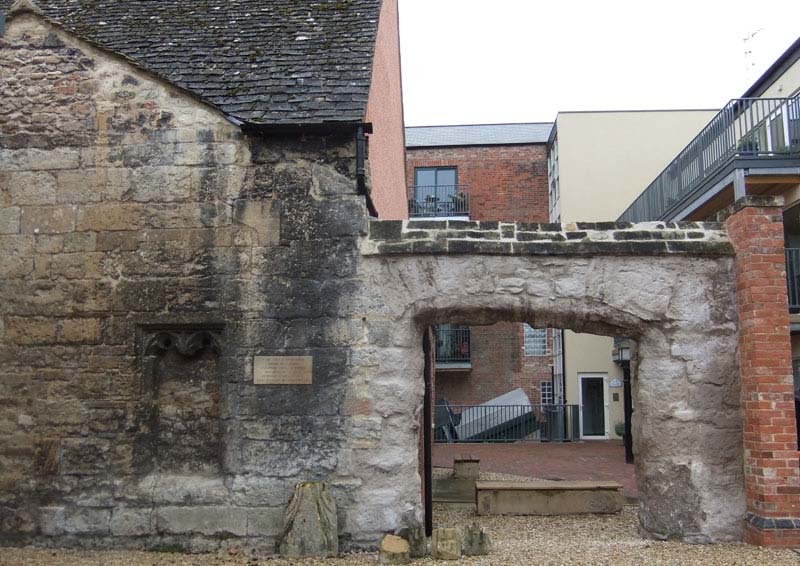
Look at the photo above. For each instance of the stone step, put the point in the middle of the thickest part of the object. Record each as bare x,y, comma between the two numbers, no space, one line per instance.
548,497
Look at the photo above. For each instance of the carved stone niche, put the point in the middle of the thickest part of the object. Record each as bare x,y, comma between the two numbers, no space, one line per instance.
179,429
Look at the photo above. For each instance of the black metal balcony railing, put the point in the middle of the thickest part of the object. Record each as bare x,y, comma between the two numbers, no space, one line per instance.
439,201
452,346
793,278
506,423
746,128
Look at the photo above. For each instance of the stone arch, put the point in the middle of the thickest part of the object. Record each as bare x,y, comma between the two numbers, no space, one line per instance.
679,307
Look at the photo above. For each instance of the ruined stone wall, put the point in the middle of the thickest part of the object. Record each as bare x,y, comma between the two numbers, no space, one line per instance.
669,286
149,251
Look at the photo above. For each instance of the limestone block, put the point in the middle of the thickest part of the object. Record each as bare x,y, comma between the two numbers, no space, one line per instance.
32,188
131,522
87,520
548,497
83,330
264,521
446,544
467,468
417,541
476,541
395,550
48,219
9,220
78,187
51,521
204,520
310,524
109,216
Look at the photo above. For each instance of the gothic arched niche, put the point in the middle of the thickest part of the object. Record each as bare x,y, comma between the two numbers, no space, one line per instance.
179,422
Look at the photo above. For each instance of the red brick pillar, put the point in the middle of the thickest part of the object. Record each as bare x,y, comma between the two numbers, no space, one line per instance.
771,473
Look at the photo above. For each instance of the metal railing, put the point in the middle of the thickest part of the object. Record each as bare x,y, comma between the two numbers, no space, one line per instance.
506,423
745,128
452,345
793,278
439,200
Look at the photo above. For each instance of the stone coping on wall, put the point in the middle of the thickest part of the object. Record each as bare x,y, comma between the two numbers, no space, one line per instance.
526,238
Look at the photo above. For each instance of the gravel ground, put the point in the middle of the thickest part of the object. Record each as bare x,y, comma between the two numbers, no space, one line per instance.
595,540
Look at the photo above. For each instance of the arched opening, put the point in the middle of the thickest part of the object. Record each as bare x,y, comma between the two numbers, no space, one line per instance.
502,404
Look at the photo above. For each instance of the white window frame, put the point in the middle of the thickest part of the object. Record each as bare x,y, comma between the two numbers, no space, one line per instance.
546,393
534,341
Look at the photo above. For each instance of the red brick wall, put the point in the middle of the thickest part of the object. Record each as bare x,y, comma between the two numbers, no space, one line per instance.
498,366
772,476
385,112
505,182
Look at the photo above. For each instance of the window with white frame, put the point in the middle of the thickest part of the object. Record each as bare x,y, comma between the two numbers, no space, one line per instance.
547,393
535,341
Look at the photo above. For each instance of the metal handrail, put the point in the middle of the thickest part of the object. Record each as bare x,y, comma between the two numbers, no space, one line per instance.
453,345
439,201
506,423
745,128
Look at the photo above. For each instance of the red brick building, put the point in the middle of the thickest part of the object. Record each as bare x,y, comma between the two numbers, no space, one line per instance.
484,172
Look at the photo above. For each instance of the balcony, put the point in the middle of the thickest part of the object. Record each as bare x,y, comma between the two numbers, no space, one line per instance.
759,135
453,349
440,201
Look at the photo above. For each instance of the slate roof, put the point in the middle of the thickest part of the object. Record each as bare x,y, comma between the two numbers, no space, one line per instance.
261,61
478,134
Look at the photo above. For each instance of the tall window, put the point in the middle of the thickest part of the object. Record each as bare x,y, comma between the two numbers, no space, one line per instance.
535,341
547,393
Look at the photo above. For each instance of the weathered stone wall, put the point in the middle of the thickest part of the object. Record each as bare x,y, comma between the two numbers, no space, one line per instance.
149,251
668,286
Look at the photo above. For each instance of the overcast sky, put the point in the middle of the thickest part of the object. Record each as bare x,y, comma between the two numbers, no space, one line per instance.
485,61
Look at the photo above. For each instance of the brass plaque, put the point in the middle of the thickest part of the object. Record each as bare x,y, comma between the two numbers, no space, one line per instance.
282,370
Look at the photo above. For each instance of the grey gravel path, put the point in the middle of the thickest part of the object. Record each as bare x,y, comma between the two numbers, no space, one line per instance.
596,540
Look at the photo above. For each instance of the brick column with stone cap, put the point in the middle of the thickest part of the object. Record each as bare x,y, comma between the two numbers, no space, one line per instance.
772,476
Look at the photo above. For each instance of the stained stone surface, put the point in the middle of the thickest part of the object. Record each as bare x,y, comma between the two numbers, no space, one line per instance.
310,524
128,208
417,541
677,304
446,543
475,541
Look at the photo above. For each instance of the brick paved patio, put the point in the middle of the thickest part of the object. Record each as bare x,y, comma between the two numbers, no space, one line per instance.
588,460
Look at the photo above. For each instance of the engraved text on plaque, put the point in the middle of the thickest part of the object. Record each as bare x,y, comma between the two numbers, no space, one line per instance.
282,370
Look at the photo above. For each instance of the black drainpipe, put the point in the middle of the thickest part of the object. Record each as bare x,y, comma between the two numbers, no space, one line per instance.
361,168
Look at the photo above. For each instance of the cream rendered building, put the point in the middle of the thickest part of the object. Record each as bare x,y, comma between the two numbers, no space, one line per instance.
598,162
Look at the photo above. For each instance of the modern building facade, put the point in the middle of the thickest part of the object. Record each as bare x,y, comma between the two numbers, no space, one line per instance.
484,173
597,162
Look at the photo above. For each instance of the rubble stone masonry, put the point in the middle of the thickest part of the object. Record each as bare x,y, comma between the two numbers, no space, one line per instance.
149,251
